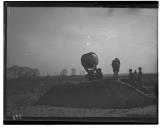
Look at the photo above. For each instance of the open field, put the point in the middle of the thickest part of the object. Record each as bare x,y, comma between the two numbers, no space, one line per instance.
74,97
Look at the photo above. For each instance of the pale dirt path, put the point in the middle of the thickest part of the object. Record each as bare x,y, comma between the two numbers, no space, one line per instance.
51,111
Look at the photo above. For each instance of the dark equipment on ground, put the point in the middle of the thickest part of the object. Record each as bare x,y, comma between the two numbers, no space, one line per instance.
90,62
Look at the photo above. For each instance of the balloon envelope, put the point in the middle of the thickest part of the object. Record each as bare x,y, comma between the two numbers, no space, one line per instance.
89,60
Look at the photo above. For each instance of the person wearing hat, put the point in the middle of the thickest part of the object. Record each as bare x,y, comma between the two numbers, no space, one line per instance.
140,74
116,67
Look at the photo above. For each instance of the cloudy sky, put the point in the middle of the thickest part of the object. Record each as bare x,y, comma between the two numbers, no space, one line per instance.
52,39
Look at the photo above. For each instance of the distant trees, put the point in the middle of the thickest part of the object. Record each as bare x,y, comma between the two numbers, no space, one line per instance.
81,73
27,72
36,72
73,72
63,72
13,72
22,72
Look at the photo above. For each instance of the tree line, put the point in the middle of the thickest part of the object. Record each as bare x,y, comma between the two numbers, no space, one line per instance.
27,72
22,72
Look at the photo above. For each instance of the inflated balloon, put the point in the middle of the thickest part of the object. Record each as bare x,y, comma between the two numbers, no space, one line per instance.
89,60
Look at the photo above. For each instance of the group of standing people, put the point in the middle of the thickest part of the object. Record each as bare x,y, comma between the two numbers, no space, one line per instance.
135,76
96,73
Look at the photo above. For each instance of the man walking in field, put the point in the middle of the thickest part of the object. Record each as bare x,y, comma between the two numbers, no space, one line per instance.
116,67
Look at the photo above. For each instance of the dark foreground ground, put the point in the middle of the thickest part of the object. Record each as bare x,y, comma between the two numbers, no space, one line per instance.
96,94
74,97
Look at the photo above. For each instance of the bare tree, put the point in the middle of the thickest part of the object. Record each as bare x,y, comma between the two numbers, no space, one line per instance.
13,72
19,71
64,72
36,72
73,72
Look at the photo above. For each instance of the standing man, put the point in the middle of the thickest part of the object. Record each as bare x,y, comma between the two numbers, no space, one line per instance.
135,75
140,74
131,76
116,67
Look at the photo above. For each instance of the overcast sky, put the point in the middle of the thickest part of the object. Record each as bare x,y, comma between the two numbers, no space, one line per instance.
52,39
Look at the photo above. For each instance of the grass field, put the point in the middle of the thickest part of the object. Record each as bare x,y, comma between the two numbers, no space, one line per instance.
75,97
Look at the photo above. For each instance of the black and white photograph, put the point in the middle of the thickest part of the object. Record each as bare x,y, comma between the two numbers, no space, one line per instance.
81,62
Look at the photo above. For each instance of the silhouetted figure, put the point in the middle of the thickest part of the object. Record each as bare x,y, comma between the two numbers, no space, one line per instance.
116,67
131,76
140,74
135,75
99,74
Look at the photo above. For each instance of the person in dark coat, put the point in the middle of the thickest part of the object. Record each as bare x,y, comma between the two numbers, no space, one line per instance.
99,74
131,76
116,67
140,74
135,75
